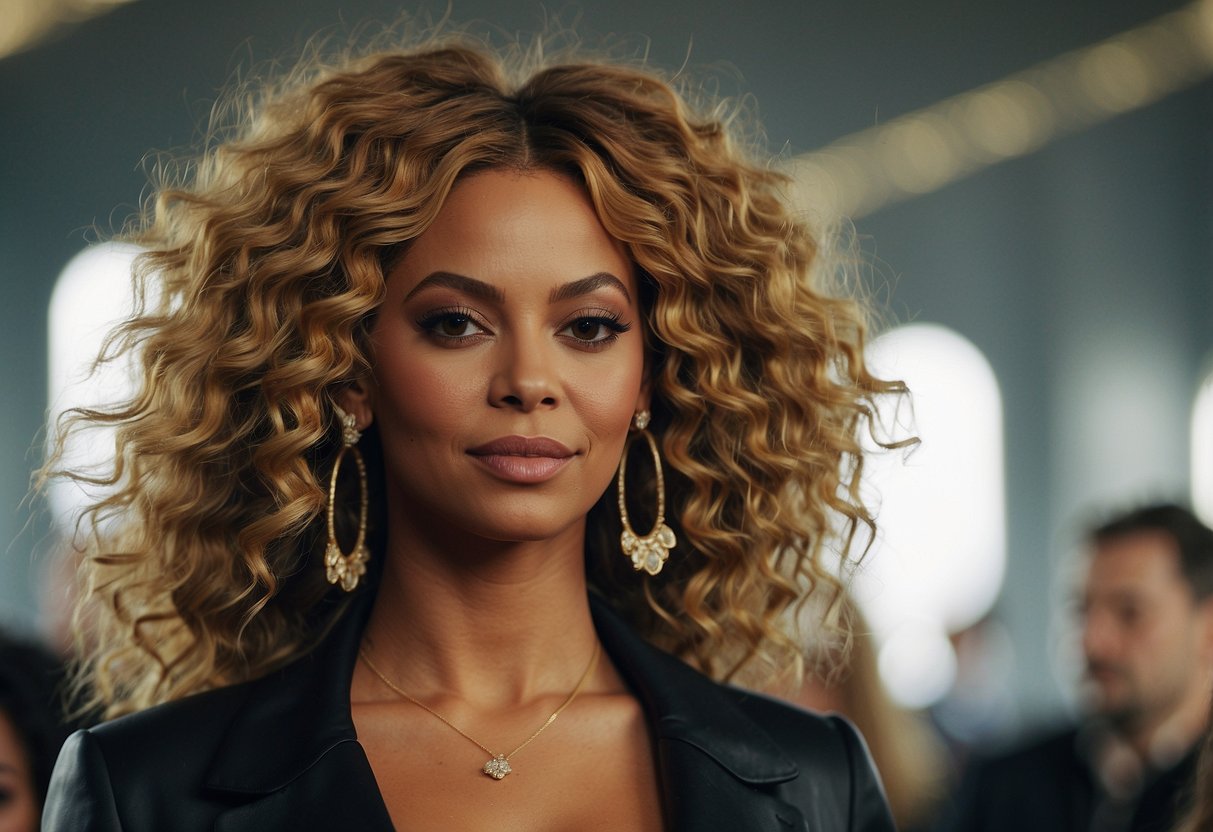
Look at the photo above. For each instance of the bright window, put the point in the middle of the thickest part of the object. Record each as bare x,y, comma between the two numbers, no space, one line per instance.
93,294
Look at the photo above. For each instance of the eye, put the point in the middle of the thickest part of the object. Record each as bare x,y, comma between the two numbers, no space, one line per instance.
1129,615
451,324
595,330
588,329
455,326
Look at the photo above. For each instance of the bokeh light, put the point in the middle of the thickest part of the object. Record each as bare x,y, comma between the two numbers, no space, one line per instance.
937,563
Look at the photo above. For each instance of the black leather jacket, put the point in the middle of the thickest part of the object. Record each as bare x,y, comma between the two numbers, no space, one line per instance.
280,752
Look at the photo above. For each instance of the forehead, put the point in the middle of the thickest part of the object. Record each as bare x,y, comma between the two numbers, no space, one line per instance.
1144,564
507,225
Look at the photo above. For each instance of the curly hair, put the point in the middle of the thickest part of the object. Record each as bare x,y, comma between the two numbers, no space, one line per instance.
264,266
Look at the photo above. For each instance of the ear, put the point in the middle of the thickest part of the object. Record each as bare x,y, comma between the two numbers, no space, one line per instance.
1204,614
358,398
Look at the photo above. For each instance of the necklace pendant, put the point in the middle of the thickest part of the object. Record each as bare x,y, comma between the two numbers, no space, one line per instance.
498,767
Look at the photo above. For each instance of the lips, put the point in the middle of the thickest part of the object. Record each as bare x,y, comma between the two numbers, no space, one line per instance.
538,446
522,459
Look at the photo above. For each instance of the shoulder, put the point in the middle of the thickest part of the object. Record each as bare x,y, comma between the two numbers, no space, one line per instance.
1033,755
182,764
175,725
103,775
821,745
1042,763
725,749
828,736
826,748
818,763
1038,783
837,784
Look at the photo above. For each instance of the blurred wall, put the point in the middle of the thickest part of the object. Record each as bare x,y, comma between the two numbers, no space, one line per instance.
1083,271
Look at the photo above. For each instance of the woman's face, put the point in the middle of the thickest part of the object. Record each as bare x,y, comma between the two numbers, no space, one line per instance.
508,360
18,804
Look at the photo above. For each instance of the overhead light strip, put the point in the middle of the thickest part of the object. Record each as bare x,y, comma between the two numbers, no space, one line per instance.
922,151
28,21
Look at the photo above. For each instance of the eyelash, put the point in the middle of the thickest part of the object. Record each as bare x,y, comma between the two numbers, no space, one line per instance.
604,318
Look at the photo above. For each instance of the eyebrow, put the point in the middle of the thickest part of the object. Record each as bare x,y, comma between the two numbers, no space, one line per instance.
487,291
461,283
586,285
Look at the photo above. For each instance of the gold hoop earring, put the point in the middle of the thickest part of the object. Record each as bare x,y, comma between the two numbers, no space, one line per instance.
340,568
648,552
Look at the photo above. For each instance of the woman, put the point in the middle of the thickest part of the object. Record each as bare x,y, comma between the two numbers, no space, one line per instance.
905,749
484,286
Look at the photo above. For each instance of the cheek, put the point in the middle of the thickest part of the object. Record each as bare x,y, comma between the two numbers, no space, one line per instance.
608,398
420,394
610,408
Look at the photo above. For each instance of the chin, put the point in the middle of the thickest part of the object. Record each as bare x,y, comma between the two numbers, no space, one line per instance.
525,517
524,527
1120,711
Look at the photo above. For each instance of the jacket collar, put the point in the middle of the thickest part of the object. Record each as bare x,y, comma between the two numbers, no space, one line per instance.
685,706
294,738
295,715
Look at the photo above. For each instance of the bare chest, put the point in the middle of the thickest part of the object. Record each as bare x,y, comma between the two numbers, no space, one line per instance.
591,770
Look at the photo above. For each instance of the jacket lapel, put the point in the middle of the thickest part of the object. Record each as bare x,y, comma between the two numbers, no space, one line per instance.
338,792
719,769
291,758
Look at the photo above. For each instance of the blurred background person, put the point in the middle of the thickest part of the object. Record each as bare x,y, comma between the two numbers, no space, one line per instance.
1146,615
31,731
910,757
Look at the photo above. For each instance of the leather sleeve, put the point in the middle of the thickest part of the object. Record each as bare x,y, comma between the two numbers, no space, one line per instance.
81,798
869,808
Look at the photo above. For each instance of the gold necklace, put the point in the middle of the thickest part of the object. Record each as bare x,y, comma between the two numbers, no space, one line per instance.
499,764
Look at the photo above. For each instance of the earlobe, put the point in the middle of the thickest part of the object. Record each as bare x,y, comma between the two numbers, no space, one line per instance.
644,398
356,398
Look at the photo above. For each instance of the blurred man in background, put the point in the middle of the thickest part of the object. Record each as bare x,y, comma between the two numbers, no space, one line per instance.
1147,638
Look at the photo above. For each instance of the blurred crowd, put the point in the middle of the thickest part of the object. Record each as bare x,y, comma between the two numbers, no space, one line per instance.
1138,754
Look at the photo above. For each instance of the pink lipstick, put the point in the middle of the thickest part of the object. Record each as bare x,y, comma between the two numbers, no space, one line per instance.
523,459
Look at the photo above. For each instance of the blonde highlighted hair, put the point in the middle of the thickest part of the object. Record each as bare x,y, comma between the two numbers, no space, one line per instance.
268,257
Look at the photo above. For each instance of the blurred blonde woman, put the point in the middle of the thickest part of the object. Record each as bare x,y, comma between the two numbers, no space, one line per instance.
491,408
910,757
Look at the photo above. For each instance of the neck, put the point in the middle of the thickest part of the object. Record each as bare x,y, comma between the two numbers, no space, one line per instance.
492,623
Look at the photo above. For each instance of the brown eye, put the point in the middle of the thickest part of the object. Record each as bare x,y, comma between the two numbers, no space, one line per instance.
595,330
587,329
451,326
454,326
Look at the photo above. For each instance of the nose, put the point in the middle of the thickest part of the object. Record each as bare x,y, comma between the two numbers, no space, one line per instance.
526,377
